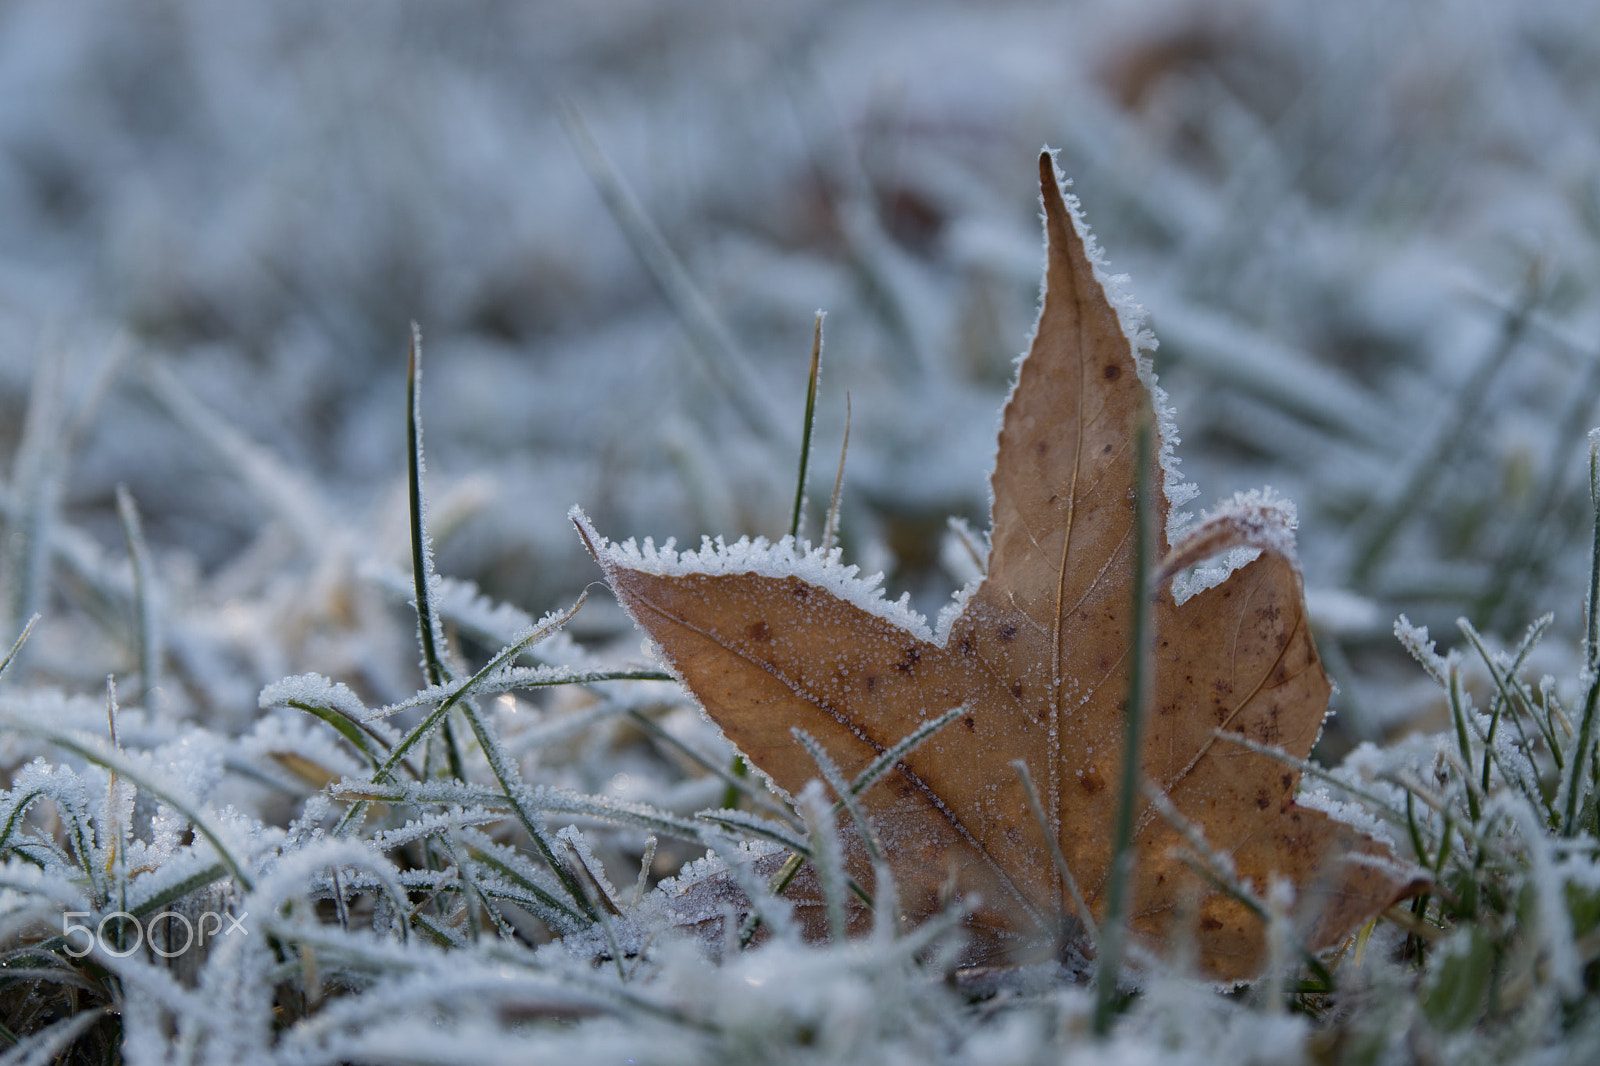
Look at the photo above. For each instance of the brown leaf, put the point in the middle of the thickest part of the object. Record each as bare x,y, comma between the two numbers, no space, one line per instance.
769,639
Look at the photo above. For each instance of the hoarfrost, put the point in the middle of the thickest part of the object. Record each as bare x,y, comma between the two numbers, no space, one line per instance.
112,158
1255,521
1415,640
1131,316
316,690
764,559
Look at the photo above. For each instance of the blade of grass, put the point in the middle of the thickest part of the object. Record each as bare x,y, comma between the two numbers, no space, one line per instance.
846,798
754,825
147,639
362,737
1458,715
1591,655
1114,929
805,433
740,769
16,645
35,481
709,337
1390,513
1311,769
830,528
429,632
536,895
1062,869
596,894
424,727
863,781
910,743
115,761
1215,868
827,858
510,778
743,785
1536,540
1511,697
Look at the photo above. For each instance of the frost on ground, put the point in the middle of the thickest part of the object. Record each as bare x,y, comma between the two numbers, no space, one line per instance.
1365,232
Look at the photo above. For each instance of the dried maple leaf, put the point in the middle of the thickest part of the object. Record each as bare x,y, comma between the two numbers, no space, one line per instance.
769,638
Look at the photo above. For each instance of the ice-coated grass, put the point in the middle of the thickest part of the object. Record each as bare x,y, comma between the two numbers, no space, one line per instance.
460,890
216,222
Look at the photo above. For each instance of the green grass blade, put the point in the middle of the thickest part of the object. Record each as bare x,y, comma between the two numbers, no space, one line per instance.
363,740
147,638
1062,869
1390,513
1581,751
912,741
830,528
119,764
1113,929
805,433
428,630
16,645
710,339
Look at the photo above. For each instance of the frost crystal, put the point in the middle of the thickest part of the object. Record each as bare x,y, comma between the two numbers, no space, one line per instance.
1260,518
1415,640
1141,341
763,558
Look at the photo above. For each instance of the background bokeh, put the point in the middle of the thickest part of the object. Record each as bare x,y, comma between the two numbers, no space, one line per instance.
1367,233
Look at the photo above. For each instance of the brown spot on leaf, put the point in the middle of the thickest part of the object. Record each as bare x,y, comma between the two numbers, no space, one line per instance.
759,631
1008,633
1112,371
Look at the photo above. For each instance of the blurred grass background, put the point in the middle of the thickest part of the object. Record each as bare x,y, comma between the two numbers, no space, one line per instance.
1367,233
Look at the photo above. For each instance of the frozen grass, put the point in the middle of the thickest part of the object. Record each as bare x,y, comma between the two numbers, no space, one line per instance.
457,895
1367,234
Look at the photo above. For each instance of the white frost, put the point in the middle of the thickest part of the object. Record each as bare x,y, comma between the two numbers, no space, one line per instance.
762,558
1259,520
1131,316
1415,640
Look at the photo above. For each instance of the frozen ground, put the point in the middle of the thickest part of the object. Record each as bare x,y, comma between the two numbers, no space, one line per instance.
1368,235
